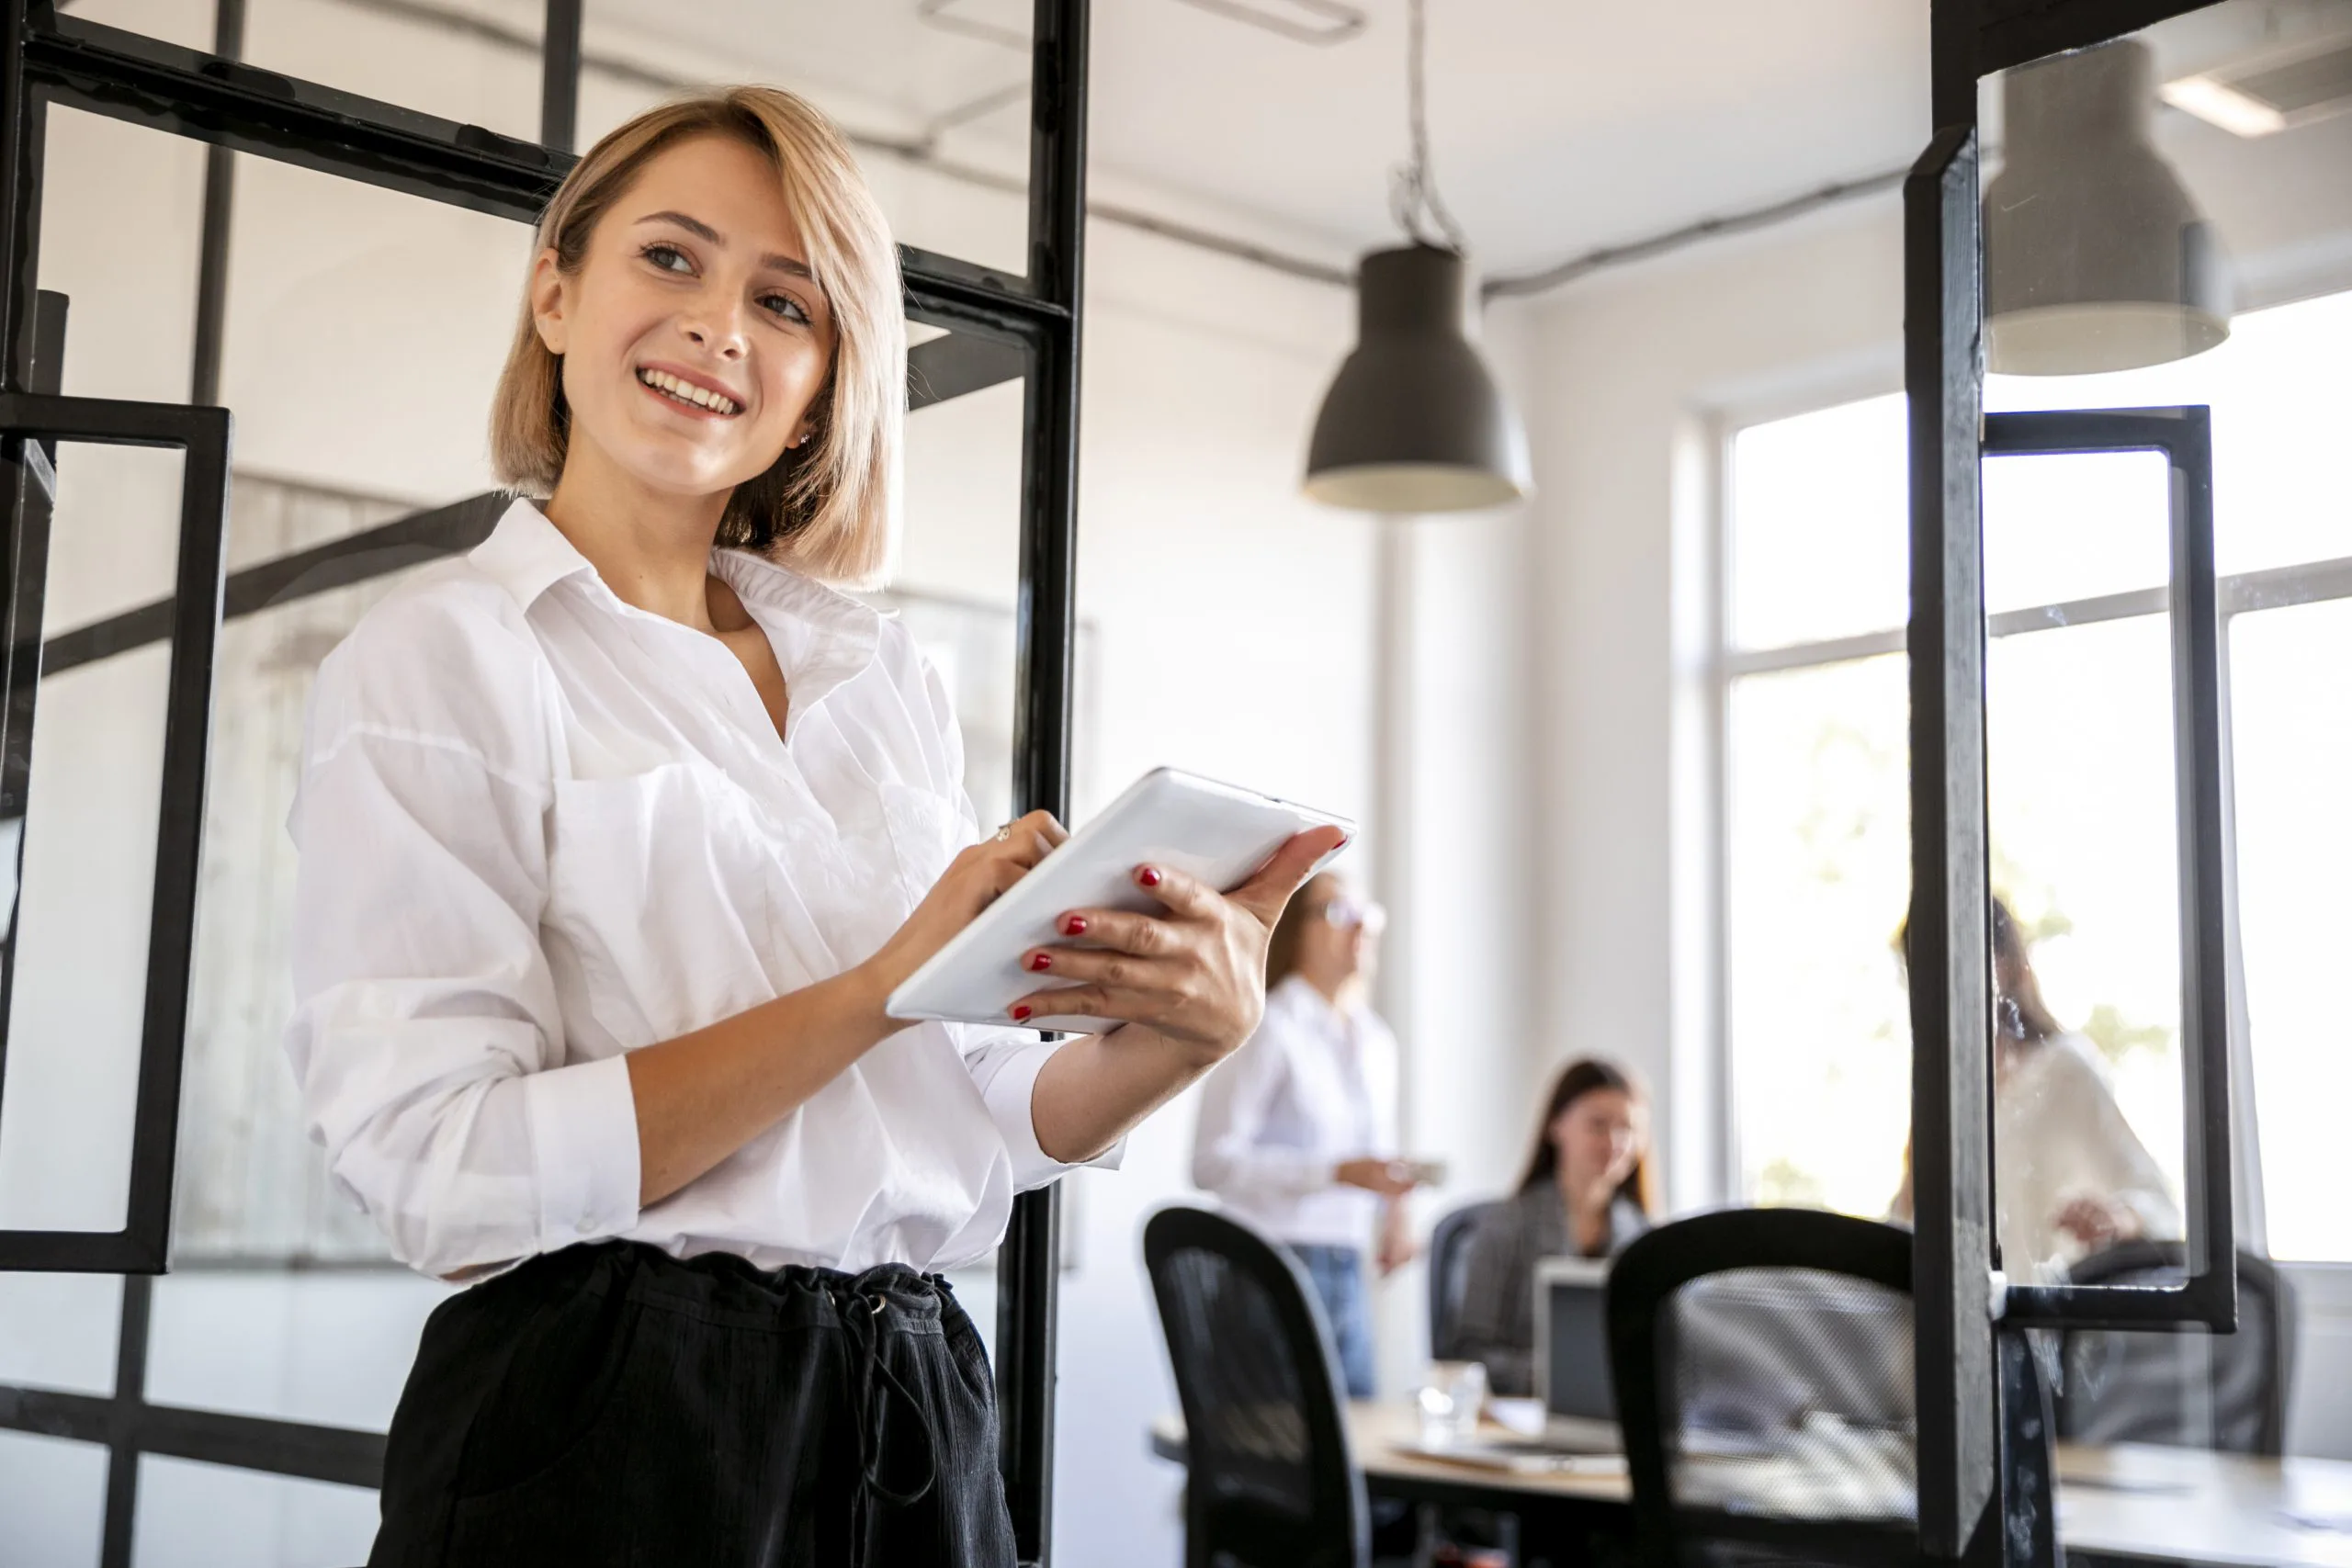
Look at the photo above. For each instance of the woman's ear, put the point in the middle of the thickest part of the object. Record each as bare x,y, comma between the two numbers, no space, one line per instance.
549,298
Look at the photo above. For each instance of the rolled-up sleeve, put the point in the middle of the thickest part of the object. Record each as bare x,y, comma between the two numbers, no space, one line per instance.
1004,1063
426,1037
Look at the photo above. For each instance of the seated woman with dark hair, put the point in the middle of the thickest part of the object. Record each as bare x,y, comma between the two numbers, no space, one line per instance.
1585,1194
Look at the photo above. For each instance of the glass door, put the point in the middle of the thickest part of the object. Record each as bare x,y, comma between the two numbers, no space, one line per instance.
2112,190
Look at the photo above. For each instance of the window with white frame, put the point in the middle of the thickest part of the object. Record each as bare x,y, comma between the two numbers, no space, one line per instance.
2079,763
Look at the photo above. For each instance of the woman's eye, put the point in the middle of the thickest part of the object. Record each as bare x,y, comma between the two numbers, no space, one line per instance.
785,304
669,258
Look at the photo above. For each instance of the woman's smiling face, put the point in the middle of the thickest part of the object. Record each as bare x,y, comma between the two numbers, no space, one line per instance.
692,336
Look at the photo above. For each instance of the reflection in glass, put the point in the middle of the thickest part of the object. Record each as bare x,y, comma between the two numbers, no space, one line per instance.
2290,718
76,1013
52,1500
2096,256
2087,1087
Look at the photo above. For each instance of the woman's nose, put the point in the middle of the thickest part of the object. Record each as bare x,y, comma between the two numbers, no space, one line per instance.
717,328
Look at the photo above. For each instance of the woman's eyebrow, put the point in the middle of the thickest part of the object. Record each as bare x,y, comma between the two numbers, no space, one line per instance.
710,236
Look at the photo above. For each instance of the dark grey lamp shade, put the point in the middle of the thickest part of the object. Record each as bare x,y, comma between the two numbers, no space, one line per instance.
2095,257
1414,423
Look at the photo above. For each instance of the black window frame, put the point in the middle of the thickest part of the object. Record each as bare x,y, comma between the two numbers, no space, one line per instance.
1958,1293
999,327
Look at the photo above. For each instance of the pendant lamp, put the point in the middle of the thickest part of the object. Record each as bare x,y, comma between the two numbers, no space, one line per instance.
1414,422
2095,258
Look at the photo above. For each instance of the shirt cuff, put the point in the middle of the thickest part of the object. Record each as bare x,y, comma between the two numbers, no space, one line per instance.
583,1150
1011,1084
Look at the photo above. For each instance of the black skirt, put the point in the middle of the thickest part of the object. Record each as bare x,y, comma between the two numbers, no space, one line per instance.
610,1404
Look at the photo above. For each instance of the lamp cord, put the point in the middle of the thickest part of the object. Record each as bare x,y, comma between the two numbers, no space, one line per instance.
1412,186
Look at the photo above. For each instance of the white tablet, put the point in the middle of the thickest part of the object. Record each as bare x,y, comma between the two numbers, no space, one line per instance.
1209,831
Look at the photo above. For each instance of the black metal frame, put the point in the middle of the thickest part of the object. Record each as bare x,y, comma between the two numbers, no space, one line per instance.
2209,1296
1950,960
1001,327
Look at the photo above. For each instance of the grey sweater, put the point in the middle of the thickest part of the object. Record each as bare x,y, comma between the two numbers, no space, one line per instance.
1497,1322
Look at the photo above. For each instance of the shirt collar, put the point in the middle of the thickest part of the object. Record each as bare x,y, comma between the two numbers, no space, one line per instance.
525,554
823,637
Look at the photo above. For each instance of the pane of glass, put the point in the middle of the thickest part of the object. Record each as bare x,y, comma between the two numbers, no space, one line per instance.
77,1008
59,1331
1818,877
366,331
184,22
2162,215
474,66
956,577
329,1348
209,1516
52,1500
2061,529
934,98
2290,718
1820,540
2087,1132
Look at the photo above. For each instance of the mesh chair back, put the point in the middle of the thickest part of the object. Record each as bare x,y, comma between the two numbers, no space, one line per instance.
1448,1274
1764,1373
1272,1482
2188,1388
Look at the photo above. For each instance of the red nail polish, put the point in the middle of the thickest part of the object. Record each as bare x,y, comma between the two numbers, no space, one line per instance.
1148,876
1020,1013
1074,926
1041,961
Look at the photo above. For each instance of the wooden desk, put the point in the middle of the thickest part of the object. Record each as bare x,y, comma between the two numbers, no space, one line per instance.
2132,1503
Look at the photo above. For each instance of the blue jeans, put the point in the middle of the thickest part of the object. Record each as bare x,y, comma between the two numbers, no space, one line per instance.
1337,1273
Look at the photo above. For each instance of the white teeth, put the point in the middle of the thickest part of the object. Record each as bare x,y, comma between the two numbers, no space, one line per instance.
687,392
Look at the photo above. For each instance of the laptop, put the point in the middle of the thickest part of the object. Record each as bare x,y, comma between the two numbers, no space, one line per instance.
1572,1357
1571,1374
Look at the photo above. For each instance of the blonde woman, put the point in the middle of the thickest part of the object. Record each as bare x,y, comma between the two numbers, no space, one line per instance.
614,836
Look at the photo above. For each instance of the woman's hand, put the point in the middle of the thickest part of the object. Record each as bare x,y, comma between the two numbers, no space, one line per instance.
1389,1178
978,874
2098,1223
1196,975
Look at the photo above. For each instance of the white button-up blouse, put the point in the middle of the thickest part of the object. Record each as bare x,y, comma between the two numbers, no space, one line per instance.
538,828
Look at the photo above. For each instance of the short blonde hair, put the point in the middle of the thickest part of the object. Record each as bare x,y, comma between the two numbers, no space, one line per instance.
825,506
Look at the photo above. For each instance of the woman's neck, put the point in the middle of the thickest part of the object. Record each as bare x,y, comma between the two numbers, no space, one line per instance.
1588,1214
1340,991
652,546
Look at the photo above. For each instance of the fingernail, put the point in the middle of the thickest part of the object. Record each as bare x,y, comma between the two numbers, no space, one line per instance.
1148,876
1041,961
1337,847
1074,926
1018,1013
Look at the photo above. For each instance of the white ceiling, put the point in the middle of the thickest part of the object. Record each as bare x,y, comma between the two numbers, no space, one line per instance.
1556,125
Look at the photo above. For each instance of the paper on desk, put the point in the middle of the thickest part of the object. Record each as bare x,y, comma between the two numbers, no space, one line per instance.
1522,1417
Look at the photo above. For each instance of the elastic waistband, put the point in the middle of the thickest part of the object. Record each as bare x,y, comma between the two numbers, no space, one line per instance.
722,1287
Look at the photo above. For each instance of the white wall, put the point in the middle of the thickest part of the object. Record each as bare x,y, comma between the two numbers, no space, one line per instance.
1632,374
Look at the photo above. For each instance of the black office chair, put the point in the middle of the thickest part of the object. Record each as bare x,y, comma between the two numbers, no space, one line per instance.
2187,1389
1272,1484
1449,1273
1762,1363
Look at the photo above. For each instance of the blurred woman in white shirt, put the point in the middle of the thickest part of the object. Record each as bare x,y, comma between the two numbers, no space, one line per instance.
614,835
1297,1131
2071,1175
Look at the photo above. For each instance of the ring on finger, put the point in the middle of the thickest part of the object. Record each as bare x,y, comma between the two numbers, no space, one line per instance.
1004,834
